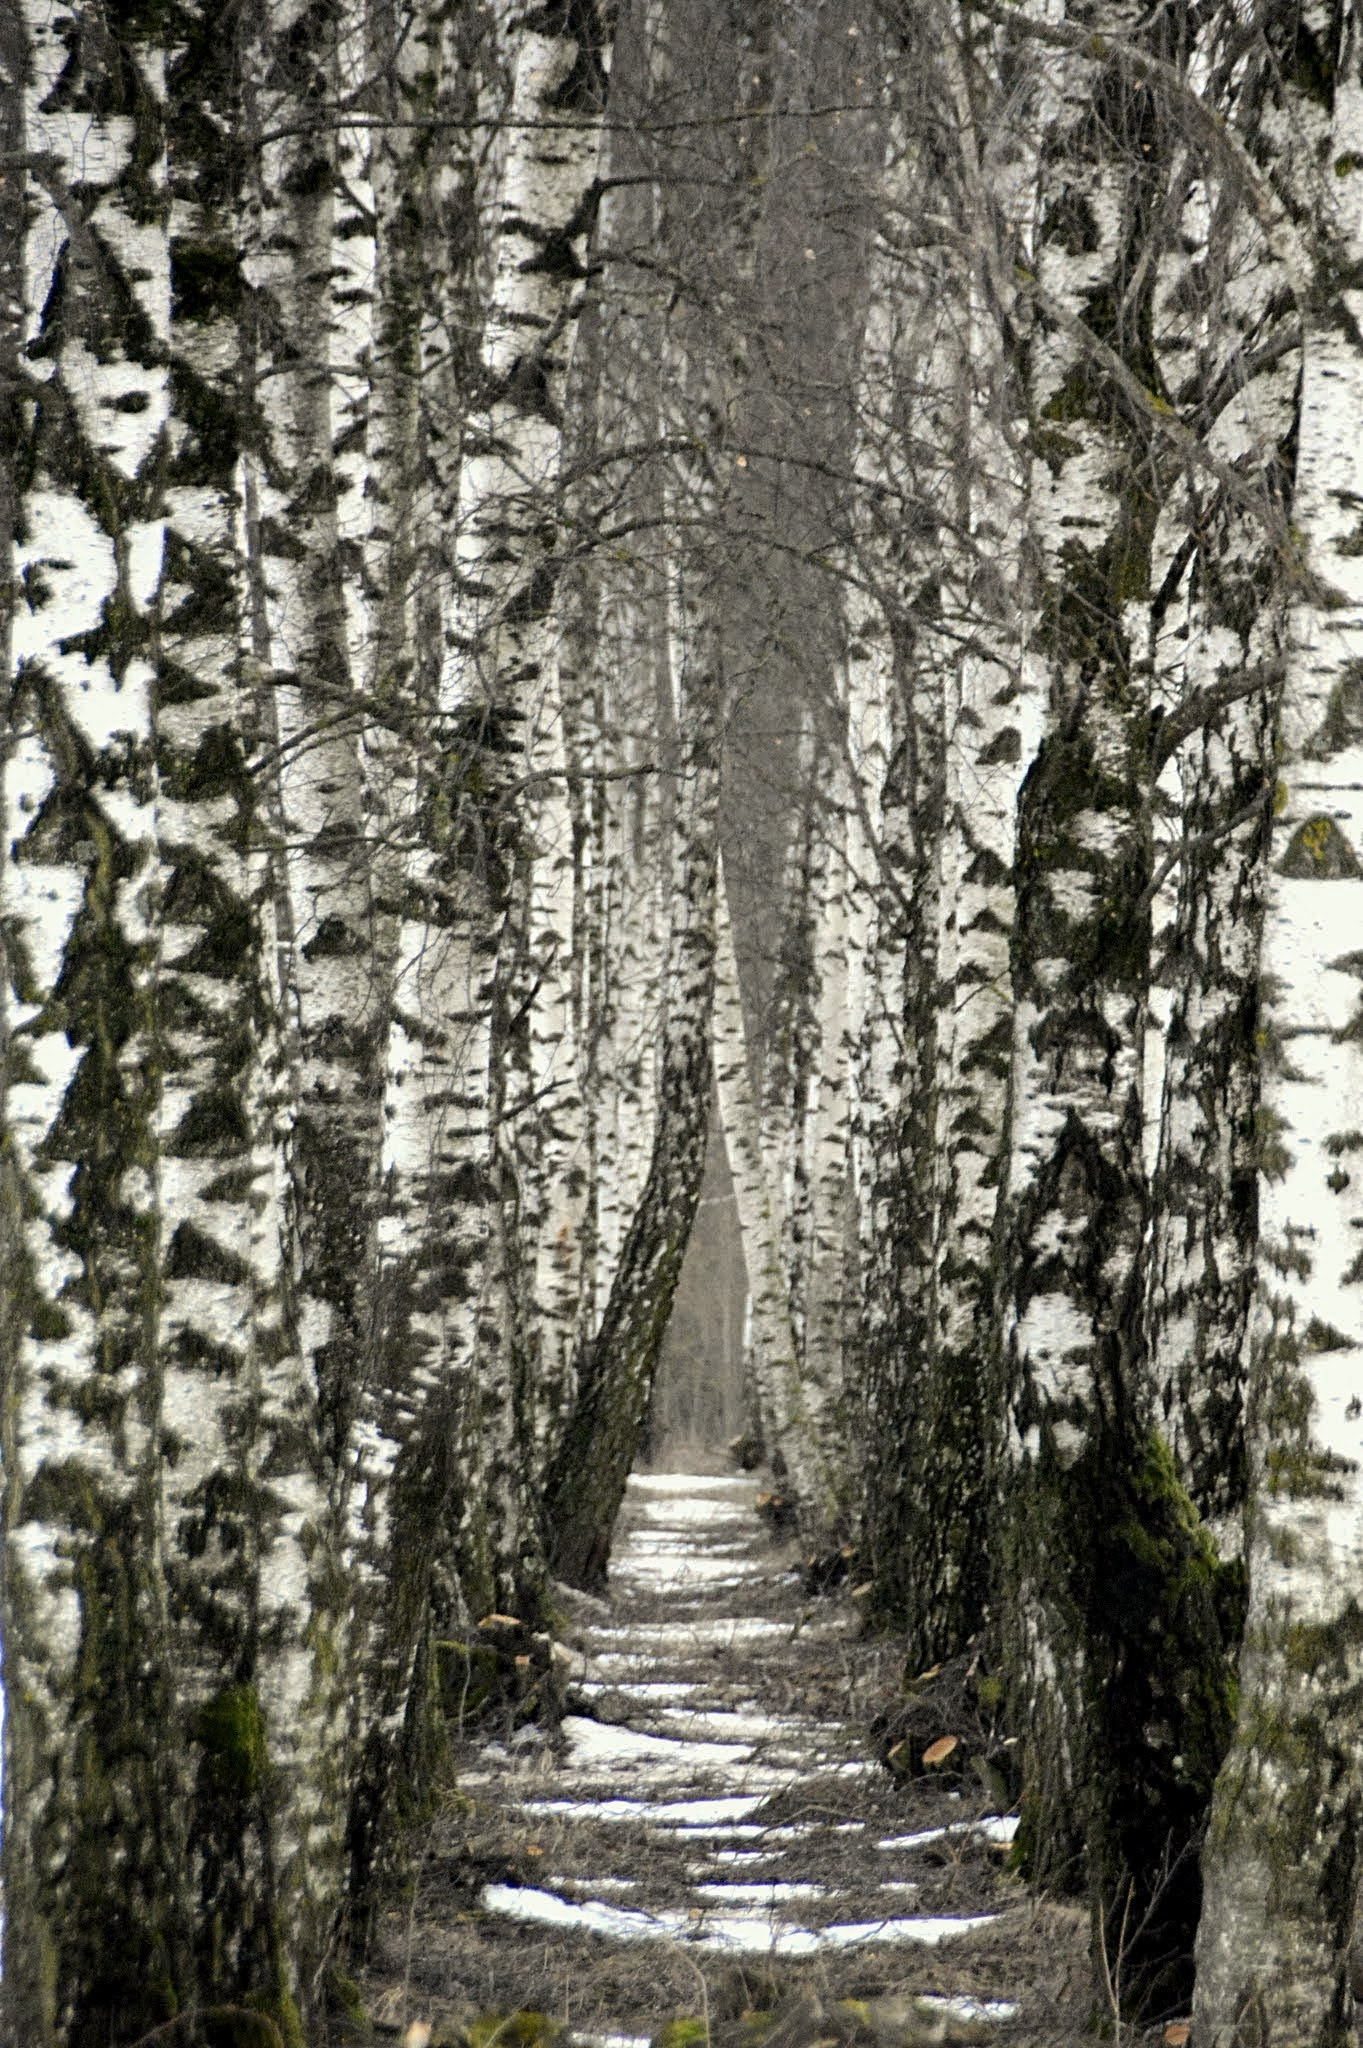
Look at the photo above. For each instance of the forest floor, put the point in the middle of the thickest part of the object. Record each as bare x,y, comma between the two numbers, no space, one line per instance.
710,1847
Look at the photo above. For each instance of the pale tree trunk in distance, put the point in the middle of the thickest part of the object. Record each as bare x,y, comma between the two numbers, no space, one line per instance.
993,723
827,1298
588,1476
587,1480
1282,1865
617,697
791,1438
897,659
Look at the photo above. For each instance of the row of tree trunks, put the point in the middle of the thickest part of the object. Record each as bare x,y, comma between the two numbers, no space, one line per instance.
244,1468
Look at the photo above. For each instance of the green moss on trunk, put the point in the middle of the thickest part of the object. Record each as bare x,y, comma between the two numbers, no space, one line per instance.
1138,1585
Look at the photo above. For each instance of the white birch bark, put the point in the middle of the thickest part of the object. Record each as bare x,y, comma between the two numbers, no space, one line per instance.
586,1482
1095,1498
247,1505
1282,1872
94,1898
1223,339
899,655
827,1299
309,269
478,1015
789,1429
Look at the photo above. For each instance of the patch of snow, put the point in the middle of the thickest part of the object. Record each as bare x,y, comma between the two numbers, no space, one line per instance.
751,1933
689,1484
792,1831
722,1721
597,1745
577,2040
696,1510
683,1637
970,2008
994,1828
597,1884
680,1567
645,1689
675,1812
768,1894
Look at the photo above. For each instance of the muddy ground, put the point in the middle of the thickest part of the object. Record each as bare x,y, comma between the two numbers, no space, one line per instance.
714,1831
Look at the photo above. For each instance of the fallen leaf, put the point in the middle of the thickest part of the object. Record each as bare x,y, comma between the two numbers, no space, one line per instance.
924,1676
418,2035
864,1590
938,1752
499,1621
533,1849
1178,2033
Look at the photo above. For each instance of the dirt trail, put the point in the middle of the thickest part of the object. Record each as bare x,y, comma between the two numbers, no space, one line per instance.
710,1833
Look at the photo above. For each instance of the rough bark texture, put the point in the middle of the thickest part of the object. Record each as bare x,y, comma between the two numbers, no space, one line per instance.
1115,1600
1282,1859
96,1904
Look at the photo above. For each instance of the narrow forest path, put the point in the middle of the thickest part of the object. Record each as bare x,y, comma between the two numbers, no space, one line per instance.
710,1834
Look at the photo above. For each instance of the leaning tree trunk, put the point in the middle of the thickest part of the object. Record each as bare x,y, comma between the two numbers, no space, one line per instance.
1279,1947
587,1480
822,1282
617,695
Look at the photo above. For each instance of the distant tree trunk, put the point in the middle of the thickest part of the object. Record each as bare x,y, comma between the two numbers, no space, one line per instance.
993,719
587,1480
897,658
617,691
827,1299
790,1436
588,1476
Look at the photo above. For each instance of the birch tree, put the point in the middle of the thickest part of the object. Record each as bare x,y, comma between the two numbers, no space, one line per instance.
1280,1928
87,400
1114,1588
